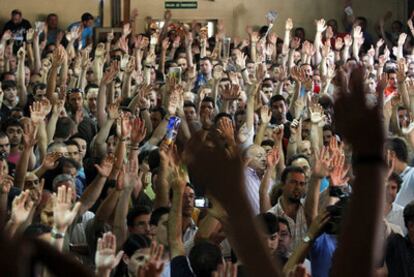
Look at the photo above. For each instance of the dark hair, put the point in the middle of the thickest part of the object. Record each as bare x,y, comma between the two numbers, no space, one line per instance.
157,214
284,221
221,115
296,157
399,146
64,127
397,179
276,98
135,212
204,258
209,99
51,15
336,212
206,59
3,134
38,86
408,213
88,87
11,122
154,159
64,161
16,12
268,142
288,170
133,243
159,110
8,84
270,222
36,229
72,142
86,17
190,104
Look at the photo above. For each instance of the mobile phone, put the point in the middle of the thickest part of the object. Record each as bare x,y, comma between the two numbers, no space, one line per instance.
172,129
175,72
348,11
201,202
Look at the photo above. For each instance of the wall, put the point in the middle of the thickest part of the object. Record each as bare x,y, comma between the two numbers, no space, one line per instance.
235,13
33,10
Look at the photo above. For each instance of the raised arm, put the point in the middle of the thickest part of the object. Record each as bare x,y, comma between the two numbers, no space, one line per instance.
92,192
20,77
367,137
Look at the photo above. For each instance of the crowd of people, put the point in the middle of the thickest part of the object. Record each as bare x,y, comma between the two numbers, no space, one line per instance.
171,153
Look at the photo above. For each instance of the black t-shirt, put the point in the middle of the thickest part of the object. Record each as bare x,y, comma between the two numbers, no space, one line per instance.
18,30
179,267
399,256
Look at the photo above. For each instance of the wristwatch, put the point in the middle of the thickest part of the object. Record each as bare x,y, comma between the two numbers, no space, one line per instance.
56,234
307,239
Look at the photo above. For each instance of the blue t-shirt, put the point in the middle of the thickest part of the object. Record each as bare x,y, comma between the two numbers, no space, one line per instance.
321,255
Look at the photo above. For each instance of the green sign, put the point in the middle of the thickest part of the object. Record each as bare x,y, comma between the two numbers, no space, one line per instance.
181,4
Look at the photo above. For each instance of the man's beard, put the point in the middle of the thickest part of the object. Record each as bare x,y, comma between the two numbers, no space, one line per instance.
294,200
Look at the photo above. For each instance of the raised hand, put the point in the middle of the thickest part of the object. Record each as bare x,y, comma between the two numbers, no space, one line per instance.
30,34
339,172
109,76
138,131
272,158
126,29
226,130
29,134
348,41
105,168
21,207
277,134
176,42
230,92
380,43
265,115
320,25
155,264
289,24
240,60
317,225
322,163
37,113
50,161
73,34
7,35
58,57
401,39
110,36
105,258
254,37
58,107
100,50
316,113
21,54
64,212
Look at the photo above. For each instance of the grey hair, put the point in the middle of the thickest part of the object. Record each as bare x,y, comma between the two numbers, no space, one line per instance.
63,178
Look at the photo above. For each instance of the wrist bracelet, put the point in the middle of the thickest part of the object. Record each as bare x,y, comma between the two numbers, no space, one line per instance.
56,234
244,69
